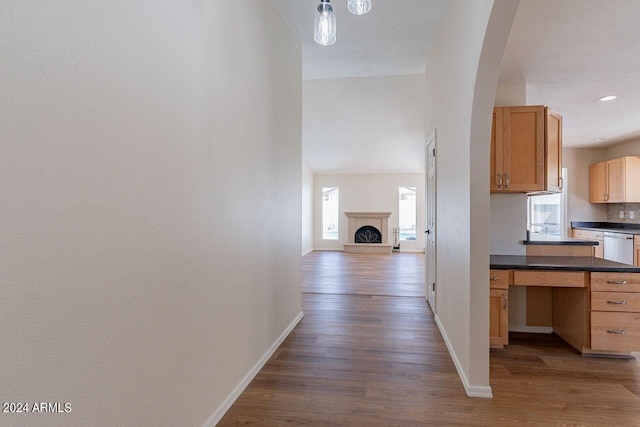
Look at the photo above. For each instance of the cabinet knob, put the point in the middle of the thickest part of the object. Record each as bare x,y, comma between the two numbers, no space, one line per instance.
617,282
616,302
499,180
495,279
616,331
504,301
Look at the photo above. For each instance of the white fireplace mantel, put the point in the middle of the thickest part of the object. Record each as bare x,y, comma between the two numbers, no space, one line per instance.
379,220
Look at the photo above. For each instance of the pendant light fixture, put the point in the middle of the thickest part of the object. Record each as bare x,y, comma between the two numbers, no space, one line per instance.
359,7
325,23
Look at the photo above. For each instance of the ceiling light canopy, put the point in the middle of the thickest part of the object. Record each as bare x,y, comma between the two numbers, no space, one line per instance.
325,23
607,98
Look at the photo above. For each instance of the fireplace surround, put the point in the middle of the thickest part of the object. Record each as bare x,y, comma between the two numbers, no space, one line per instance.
366,224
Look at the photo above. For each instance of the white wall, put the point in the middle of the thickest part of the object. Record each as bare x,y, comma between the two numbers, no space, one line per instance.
307,209
577,161
461,86
508,224
345,117
150,217
367,193
629,148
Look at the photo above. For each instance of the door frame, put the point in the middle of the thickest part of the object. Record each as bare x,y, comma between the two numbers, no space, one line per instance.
430,251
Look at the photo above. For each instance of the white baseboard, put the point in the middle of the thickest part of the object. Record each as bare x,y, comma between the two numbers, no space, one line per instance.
421,251
328,249
307,252
531,329
237,391
472,391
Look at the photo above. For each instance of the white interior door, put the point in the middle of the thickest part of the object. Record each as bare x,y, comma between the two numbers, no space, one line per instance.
430,240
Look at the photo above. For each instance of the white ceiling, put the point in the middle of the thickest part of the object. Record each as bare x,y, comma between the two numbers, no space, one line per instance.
571,52
567,52
392,39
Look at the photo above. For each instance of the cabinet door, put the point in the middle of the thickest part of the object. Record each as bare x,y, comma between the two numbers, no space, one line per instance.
597,182
496,183
498,318
636,251
523,150
553,151
615,180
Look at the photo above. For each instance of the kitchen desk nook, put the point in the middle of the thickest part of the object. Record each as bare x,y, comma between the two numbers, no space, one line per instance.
591,303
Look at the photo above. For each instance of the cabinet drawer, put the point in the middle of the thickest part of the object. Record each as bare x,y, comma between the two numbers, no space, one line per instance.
615,331
588,235
615,301
616,282
562,279
499,279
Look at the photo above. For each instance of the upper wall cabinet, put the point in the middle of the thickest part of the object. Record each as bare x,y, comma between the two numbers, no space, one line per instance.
526,150
615,181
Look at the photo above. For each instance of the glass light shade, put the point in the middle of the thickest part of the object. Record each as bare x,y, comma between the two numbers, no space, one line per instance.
359,7
325,25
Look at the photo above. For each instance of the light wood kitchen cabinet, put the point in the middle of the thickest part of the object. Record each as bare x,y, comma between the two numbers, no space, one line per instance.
594,236
526,150
615,181
615,312
498,308
553,151
598,182
636,251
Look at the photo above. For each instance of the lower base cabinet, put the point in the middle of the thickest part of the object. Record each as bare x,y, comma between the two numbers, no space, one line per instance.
498,308
596,313
596,236
615,312
615,331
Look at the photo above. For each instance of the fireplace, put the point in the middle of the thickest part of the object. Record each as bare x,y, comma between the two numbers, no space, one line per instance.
368,233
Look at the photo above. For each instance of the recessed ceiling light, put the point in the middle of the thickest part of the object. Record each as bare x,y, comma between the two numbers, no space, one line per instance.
607,98
599,139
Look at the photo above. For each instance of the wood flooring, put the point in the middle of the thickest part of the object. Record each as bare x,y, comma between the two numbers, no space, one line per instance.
368,353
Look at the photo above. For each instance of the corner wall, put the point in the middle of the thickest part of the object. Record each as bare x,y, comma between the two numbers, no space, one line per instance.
307,209
629,148
462,72
151,203
577,161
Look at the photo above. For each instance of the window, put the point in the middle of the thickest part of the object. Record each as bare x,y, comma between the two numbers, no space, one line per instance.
407,213
546,213
330,213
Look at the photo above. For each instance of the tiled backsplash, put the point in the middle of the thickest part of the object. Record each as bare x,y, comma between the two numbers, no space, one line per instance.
613,212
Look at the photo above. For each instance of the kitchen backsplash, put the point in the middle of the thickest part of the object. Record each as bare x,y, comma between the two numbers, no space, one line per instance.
613,212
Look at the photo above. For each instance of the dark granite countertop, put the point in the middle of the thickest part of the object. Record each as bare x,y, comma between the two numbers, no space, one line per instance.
612,227
535,240
566,263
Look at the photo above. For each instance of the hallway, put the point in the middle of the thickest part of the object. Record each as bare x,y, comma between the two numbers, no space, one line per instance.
368,352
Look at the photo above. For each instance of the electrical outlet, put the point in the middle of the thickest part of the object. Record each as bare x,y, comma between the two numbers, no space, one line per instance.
632,215
622,214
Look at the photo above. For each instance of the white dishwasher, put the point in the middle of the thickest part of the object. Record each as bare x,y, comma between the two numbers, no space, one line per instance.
618,247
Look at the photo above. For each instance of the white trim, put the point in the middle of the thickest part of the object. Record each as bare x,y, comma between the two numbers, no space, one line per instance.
307,252
531,329
417,251
471,390
237,391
